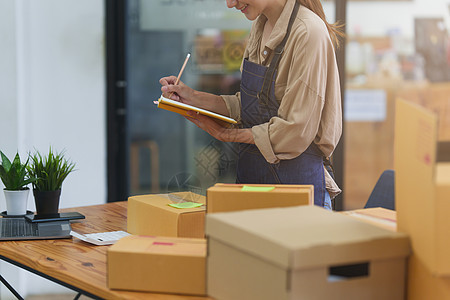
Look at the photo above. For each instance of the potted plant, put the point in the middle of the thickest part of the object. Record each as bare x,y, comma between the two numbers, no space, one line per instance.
50,171
15,177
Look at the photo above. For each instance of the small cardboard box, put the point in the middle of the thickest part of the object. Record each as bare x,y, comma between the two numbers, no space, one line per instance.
158,264
302,252
224,197
152,215
422,187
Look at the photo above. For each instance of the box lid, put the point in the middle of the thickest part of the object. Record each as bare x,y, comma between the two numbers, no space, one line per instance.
305,236
379,216
261,188
160,245
276,187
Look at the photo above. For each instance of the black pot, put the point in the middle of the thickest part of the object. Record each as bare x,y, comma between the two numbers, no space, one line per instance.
47,202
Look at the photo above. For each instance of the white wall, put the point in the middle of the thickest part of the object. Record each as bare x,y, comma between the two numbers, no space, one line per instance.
52,93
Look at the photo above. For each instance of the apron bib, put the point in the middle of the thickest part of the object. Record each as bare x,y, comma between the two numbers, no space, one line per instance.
259,105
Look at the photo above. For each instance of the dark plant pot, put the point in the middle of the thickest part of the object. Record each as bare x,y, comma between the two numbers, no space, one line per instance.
47,202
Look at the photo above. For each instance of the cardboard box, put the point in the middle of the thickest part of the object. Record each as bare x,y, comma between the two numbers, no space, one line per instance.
378,216
224,197
422,284
422,187
158,264
152,215
302,252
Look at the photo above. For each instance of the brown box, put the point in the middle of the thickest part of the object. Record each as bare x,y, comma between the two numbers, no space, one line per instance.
379,216
302,252
422,187
152,215
224,197
158,264
421,284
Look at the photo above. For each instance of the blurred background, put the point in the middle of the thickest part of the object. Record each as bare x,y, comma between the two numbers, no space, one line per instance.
82,76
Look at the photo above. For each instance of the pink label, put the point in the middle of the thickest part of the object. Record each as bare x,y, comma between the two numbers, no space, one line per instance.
162,243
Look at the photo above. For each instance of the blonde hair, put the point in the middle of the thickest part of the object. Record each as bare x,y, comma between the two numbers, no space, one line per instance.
335,29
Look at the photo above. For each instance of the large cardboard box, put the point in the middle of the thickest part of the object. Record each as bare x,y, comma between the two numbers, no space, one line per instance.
224,197
302,252
422,187
158,264
152,215
421,283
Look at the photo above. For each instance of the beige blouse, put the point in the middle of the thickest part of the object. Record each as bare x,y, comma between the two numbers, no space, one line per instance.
306,87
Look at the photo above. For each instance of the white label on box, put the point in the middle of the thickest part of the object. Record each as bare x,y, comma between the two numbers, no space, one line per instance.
365,105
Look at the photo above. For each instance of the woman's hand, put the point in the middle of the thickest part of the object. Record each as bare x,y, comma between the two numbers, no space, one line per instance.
185,94
179,92
219,132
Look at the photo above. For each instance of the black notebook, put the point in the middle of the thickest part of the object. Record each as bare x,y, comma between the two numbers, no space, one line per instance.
20,229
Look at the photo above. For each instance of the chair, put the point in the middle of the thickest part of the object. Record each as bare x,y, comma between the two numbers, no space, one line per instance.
383,194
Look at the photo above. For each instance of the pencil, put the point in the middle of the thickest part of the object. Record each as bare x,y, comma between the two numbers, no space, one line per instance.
181,72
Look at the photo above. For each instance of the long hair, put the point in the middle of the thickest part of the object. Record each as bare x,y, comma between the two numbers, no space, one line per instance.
335,29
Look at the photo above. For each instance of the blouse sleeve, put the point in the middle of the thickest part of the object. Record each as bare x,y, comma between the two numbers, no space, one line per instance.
233,104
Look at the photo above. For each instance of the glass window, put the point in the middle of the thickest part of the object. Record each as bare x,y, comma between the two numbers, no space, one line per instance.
167,152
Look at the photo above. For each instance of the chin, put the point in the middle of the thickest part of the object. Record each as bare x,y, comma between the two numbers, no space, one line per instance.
251,17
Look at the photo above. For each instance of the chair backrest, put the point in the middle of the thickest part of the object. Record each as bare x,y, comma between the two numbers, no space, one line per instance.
383,194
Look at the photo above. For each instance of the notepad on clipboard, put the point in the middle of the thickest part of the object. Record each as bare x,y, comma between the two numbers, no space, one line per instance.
182,109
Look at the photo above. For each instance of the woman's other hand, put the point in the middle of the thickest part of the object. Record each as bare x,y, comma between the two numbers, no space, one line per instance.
219,132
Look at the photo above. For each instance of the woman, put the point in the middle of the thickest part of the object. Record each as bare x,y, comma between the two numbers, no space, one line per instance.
289,104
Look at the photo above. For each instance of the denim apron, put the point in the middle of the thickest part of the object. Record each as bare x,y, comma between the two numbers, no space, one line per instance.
259,105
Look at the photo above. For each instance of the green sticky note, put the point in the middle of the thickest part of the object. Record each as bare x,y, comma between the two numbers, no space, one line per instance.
185,205
247,188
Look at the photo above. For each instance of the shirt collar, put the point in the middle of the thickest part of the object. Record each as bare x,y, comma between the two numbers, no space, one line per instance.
277,34
280,28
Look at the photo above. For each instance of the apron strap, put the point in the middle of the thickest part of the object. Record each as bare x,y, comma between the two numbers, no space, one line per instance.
264,94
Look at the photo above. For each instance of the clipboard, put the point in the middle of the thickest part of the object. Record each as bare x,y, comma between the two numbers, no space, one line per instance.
182,109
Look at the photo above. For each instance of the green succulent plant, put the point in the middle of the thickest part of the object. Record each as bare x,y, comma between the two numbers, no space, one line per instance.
50,170
14,174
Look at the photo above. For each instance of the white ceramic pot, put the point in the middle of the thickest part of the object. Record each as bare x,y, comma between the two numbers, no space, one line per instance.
16,202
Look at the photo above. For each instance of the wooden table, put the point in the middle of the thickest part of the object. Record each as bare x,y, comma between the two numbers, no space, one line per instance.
75,264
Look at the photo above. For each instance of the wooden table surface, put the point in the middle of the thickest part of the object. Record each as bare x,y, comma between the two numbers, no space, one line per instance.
78,263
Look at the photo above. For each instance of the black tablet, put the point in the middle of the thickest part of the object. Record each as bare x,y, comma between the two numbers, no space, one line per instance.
54,217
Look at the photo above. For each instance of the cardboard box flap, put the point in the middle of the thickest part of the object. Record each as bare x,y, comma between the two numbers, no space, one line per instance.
416,173
305,236
163,200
